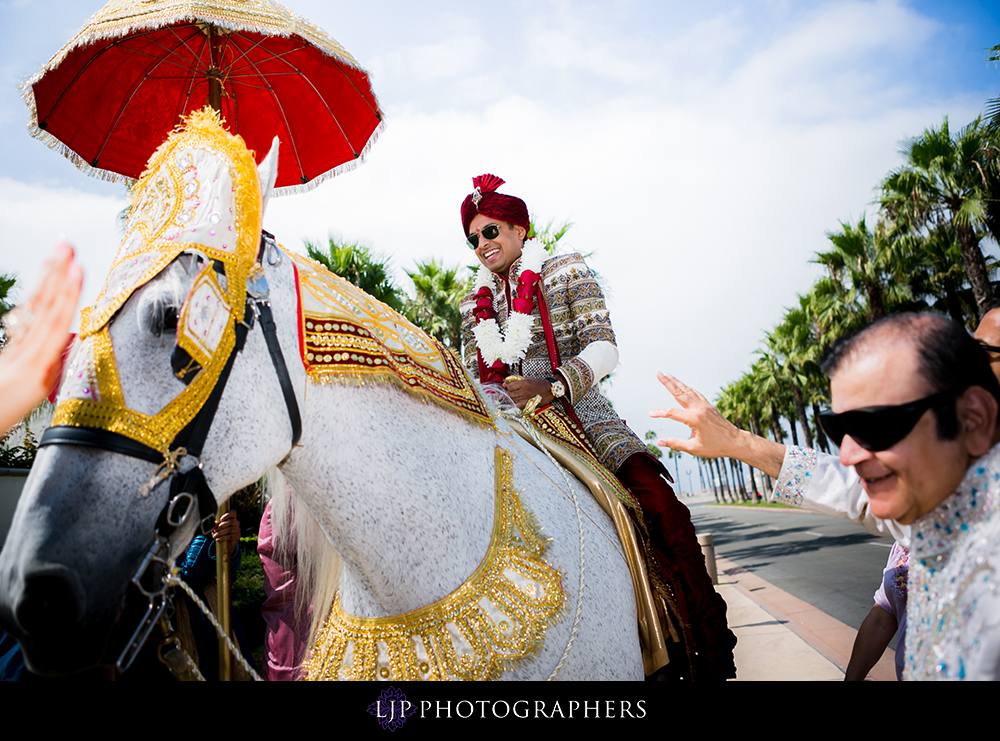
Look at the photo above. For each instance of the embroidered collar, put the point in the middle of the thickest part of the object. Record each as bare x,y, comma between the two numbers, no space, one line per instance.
938,532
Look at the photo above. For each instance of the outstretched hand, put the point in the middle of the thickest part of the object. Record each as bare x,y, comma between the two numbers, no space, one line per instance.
712,435
38,332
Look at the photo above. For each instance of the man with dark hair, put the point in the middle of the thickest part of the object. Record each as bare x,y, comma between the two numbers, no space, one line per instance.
538,326
915,413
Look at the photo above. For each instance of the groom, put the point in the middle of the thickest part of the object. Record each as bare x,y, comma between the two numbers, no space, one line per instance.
538,326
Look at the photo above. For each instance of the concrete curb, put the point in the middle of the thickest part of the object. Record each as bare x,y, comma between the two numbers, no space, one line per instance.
783,638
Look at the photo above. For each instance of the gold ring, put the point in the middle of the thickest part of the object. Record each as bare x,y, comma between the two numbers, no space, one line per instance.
532,404
17,321
511,379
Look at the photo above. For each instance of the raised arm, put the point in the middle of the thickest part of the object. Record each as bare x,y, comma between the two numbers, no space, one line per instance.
712,435
805,478
38,332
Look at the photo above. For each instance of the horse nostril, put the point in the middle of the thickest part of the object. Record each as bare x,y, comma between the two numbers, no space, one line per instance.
49,603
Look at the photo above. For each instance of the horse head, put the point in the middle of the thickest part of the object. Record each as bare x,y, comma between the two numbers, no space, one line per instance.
160,413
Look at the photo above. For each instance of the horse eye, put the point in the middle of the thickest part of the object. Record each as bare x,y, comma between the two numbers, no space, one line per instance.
170,318
165,322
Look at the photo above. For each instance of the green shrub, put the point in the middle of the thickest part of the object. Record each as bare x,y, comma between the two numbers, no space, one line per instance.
248,586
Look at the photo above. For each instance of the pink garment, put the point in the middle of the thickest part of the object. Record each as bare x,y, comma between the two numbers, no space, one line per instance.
283,639
891,597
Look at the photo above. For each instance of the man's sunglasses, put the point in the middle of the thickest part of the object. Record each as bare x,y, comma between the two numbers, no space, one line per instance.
879,428
490,231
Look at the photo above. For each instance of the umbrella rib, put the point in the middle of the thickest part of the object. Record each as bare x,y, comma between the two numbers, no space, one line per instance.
121,111
269,74
84,68
295,71
271,55
121,43
192,80
180,61
170,51
44,124
195,31
231,42
305,79
288,129
244,52
243,82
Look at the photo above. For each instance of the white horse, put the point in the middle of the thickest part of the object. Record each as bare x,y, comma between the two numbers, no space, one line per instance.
404,491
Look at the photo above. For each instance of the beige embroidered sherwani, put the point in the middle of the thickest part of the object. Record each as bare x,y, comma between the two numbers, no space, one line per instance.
586,342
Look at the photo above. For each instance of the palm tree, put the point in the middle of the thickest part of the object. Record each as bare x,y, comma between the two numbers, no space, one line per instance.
730,405
944,181
791,345
435,308
938,272
358,265
7,281
863,266
993,105
550,234
750,409
653,449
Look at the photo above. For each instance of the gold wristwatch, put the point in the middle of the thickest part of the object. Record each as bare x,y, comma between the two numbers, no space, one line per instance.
556,387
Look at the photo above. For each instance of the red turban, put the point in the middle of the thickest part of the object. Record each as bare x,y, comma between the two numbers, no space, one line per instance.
485,200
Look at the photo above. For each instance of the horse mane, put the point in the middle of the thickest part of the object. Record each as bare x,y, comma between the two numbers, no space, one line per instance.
300,543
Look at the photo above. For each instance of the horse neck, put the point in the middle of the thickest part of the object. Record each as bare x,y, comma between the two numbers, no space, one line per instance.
402,488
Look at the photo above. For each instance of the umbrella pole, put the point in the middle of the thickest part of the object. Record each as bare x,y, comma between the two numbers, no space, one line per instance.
223,599
214,73
215,91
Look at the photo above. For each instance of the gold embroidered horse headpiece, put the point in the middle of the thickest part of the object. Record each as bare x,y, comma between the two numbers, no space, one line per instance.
200,192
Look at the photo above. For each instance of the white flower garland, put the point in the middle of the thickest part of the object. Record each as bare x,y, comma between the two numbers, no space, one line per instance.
512,345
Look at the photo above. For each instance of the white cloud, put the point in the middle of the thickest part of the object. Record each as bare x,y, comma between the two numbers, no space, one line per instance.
702,161
33,218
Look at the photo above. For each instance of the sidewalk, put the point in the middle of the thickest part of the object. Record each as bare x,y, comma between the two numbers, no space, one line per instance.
782,638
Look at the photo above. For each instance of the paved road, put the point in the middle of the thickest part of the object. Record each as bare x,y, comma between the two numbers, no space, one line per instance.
831,564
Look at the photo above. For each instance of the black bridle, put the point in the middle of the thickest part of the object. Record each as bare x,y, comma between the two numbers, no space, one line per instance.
190,485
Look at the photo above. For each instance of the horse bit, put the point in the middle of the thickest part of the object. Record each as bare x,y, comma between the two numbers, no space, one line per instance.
153,576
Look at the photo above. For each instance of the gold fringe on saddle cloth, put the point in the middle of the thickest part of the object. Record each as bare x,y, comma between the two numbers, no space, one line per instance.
658,615
348,337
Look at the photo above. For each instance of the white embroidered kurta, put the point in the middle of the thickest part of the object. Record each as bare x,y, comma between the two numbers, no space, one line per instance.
953,612
818,482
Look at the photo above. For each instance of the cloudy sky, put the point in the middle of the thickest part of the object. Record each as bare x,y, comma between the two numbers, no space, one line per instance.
701,150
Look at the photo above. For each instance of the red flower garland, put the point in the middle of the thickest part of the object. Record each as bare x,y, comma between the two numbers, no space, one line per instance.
523,302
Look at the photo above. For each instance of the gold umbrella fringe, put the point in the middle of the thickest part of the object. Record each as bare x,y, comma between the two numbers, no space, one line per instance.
28,96
120,18
289,190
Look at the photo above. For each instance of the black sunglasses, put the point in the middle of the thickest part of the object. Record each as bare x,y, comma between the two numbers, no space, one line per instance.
879,428
989,348
490,231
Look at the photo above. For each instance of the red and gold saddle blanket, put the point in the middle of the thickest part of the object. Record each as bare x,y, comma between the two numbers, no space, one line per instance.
346,336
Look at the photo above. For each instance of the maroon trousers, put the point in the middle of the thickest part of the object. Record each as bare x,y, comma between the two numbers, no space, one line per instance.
672,537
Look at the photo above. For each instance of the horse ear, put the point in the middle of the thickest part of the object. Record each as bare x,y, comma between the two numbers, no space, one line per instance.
267,170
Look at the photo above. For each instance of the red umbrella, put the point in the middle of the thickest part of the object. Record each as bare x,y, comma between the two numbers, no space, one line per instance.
111,95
